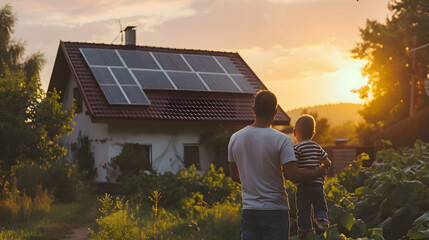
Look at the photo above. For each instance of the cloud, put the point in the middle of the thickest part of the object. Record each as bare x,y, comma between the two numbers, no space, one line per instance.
282,63
72,14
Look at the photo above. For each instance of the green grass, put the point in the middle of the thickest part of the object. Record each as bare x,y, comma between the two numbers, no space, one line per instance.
60,221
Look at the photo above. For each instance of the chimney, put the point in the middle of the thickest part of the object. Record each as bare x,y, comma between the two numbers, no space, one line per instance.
130,36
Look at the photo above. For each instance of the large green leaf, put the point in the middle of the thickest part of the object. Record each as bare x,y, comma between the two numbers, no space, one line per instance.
333,234
346,220
362,190
359,229
422,218
334,214
387,142
376,234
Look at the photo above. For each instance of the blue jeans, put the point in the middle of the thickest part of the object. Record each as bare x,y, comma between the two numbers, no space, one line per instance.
307,195
265,224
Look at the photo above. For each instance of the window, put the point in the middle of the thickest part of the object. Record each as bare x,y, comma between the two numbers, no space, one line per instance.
192,155
133,158
77,100
141,153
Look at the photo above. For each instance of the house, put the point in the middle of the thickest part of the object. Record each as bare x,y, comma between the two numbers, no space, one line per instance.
162,99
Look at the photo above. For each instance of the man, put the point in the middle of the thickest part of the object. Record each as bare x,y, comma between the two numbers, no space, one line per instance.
259,157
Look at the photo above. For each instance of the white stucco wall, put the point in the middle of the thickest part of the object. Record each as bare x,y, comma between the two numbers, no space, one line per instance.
96,132
167,143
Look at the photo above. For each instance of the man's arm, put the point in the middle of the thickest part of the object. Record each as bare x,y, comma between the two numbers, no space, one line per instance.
292,172
233,170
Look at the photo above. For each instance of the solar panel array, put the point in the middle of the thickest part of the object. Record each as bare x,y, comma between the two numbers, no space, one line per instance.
124,74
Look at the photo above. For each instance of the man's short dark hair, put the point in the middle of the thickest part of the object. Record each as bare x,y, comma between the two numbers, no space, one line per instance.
306,126
265,104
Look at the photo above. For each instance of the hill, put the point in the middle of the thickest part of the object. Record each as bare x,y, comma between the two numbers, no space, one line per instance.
335,113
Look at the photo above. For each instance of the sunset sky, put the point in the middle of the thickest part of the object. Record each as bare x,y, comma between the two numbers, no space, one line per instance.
300,49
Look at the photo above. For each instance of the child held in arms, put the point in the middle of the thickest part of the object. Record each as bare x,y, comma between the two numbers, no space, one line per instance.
308,194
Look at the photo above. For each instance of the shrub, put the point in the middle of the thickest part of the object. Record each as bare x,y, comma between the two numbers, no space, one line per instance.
18,207
59,178
84,157
130,159
117,221
391,194
218,222
182,187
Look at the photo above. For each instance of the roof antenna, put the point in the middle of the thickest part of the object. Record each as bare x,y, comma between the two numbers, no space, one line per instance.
121,32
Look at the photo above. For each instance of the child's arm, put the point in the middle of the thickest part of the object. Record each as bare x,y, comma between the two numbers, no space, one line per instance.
325,162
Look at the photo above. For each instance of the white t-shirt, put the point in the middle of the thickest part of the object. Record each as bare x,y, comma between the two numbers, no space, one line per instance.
259,154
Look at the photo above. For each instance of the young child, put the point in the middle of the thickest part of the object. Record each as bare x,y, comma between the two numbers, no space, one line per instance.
310,155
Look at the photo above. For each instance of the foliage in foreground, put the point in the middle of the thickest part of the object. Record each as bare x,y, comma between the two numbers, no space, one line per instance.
392,195
119,221
59,178
56,224
18,207
188,189
390,200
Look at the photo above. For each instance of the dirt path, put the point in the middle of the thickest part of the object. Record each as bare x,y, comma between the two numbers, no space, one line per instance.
79,233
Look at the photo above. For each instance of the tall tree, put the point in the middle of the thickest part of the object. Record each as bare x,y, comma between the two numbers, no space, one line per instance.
12,51
389,66
31,121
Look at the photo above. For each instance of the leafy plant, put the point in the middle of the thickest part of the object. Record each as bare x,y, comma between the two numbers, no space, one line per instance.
117,221
84,157
187,185
130,161
59,178
420,228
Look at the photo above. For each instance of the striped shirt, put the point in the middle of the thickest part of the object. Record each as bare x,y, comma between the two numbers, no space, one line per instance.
309,155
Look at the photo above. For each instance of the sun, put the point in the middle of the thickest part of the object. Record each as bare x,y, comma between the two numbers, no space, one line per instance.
348,78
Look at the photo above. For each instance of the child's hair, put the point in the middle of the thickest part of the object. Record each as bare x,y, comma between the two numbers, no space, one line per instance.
306,126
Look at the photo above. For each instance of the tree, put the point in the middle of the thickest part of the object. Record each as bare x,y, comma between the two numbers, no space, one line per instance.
389,66
322,128
12,51
31,121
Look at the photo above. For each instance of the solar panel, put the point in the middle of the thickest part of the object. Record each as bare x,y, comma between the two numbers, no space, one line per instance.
101,57
243,84
186,81
170,61
203,63
228,65
217,82
135,95
102,75
138,59
152,80
114,94
123,76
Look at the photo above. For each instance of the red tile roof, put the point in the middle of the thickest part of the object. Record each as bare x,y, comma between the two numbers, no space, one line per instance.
165,105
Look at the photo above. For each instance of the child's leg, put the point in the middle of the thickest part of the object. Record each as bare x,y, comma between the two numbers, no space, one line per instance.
319,203
320,209
303,205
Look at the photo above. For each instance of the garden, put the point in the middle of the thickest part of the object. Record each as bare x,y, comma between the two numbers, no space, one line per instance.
389,200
